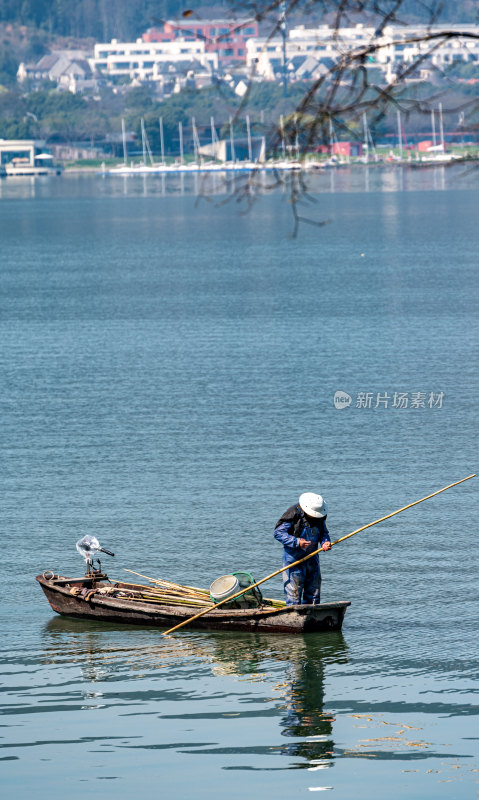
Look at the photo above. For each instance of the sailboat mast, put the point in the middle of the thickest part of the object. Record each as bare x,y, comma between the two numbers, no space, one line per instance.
232,142
146,145
250,150
214,138
433,127
162,141
123,136
372,145
441,129
283,143
195,139
366,142
143,144
399,133
180,129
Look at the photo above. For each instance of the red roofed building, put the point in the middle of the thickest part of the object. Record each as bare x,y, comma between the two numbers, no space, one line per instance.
347,149
227,38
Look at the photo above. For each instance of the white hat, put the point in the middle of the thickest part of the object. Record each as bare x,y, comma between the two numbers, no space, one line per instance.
313,505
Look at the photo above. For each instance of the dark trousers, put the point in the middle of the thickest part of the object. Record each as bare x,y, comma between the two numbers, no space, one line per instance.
302,584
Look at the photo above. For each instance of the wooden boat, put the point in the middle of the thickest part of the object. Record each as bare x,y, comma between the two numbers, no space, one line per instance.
97,598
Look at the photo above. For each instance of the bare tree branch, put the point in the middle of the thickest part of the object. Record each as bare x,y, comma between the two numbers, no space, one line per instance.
345,91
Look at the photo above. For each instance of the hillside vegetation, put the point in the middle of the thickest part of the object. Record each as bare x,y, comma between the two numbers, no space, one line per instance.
127,19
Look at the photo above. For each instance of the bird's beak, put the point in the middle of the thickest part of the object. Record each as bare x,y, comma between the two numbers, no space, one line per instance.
104,550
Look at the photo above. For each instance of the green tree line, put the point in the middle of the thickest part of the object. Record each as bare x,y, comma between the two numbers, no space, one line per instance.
127,19
97,19
65,117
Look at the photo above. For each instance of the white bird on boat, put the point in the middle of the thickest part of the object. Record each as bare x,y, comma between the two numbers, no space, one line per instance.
88,546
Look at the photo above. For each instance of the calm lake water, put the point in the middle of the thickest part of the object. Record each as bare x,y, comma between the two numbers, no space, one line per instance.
168,369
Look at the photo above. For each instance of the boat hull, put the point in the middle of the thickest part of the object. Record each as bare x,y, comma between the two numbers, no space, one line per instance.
94,606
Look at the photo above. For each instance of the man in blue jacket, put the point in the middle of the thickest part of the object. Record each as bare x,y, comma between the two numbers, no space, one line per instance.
301,530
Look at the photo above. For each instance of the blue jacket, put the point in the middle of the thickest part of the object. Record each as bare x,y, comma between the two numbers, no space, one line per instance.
294,526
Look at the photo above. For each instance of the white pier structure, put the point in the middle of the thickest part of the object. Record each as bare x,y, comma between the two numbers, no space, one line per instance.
26,157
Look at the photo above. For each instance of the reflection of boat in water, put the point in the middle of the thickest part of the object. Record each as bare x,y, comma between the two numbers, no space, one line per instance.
285,705
302,660
97,598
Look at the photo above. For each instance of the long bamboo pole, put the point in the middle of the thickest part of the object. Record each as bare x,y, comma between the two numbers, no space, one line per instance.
315,552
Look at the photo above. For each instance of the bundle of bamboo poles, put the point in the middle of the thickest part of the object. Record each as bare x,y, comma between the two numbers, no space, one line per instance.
166,592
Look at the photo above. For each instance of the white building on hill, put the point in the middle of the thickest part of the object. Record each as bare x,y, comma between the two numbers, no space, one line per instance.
396,47
146,60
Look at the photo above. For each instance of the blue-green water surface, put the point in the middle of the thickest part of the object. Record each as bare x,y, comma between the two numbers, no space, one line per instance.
168,368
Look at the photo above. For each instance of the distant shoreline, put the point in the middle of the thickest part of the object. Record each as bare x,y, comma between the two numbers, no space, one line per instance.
80,170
